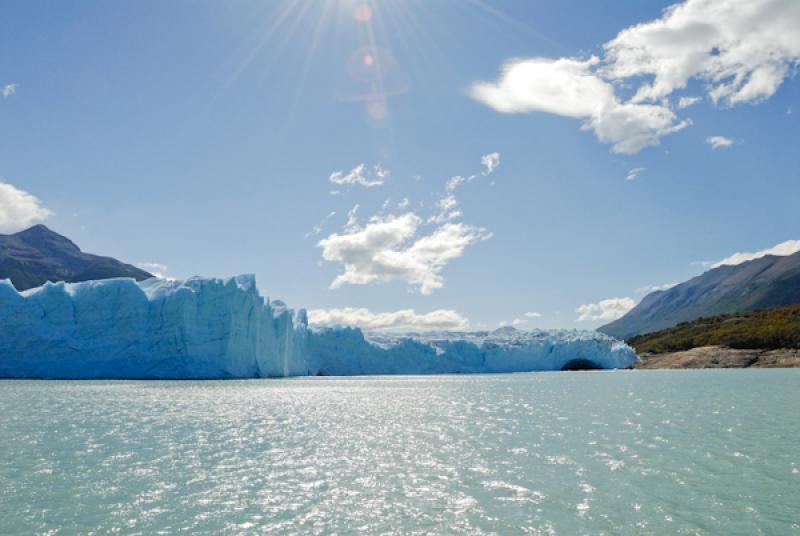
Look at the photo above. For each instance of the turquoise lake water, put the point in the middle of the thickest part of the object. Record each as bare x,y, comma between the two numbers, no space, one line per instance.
623,452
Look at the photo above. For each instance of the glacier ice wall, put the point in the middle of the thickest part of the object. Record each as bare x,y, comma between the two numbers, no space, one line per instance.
223,328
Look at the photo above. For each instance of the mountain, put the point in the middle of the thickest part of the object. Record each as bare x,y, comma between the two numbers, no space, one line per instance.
31,257
762,283
766,329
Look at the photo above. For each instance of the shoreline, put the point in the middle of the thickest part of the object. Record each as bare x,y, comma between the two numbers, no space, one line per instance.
721,357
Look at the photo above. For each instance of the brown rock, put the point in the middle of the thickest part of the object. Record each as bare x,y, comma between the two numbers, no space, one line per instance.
721,357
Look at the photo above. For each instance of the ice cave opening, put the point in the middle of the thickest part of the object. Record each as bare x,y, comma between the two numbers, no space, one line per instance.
581,364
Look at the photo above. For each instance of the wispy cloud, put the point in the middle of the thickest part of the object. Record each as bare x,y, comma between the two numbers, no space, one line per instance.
405,319
718,43
8,90
19,209
361,176
156,268
490,162
605,310
719,142
685,102
647,289
447,207
634,174
318,227
514,323
521,321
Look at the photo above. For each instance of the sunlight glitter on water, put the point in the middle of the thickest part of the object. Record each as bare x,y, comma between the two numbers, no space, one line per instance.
618,452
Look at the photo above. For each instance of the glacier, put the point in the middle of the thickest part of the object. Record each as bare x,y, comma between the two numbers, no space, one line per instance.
208,328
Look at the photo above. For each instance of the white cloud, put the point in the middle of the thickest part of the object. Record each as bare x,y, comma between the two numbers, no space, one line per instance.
388,249
563,87
447,207
741,49
19,209
519,321
155,268
360,175
405,319
634,173
569,87
605,310
391,247
8,90
490,162
516,322
719,142
352,219
453,183
685,102
647,289
318,227
789,247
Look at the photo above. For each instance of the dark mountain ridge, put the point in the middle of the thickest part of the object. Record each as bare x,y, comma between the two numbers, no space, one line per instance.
768,281
36,255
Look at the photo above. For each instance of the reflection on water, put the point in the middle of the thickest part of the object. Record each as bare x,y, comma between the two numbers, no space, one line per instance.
635,452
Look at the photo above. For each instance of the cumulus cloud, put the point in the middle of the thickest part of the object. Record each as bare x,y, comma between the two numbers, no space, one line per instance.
389,249
719,142
634,173
742,50
789,247
361,176
405,246
19,209
533,314
490,162
569,87
405,319
155,268
605,310
8,90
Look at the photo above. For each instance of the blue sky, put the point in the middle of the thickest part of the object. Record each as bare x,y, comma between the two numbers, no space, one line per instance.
203,136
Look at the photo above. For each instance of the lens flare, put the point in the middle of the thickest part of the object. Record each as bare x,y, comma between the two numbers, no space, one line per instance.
362,13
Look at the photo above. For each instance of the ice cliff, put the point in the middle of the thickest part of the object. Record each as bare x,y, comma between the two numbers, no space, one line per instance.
215,328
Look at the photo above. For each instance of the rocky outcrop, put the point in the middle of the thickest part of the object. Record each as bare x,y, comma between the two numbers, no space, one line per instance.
721,357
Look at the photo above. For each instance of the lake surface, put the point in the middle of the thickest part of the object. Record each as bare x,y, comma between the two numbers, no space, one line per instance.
623,452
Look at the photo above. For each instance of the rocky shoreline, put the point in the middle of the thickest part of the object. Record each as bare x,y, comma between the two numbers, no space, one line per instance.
721,357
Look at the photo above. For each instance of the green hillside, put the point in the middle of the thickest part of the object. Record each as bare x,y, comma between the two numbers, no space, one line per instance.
766,329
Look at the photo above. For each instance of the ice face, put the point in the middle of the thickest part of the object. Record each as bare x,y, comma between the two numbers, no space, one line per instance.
223,328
